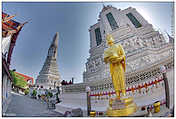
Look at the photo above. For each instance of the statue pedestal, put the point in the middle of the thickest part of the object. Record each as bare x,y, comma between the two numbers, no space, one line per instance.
121,107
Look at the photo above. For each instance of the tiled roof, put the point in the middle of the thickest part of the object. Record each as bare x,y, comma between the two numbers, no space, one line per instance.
26,78
10,24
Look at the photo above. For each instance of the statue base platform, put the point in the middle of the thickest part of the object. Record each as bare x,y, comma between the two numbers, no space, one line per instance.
121,107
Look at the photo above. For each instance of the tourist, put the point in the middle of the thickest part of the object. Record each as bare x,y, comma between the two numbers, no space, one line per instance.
149,111
57,98
38,93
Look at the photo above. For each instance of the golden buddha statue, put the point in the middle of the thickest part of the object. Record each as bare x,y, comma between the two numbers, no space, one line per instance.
115,56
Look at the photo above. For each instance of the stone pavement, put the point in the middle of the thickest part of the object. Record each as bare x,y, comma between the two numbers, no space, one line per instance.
24,106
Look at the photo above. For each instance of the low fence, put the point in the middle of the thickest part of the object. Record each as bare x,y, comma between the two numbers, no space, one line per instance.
132,88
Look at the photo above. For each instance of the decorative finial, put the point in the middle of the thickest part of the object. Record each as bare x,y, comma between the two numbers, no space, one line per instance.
109,38
55,39
27,22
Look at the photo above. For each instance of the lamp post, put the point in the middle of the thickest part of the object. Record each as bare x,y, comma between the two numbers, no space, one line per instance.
88,100
166,84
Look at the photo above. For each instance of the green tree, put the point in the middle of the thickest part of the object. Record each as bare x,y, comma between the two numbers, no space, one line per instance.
26,91
50,94
34,93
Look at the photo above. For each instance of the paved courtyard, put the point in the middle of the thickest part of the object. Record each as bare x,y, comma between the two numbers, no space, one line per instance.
24,106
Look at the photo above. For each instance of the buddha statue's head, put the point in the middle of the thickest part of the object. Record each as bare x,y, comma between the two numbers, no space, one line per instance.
109,39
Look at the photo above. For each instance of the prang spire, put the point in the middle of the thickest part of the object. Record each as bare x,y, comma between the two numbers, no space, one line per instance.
55,40
52,52
49,75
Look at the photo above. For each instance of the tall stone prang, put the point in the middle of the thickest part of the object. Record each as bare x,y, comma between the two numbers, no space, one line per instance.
49,75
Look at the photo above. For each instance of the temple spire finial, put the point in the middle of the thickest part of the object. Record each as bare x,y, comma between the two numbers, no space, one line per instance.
55,39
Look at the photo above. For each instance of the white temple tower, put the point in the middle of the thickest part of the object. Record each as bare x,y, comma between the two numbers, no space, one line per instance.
129,29
49,75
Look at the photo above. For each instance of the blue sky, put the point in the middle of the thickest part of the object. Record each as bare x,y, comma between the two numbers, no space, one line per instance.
72,21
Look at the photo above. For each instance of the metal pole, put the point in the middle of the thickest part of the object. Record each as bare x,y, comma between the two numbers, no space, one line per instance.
88,104
166,90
